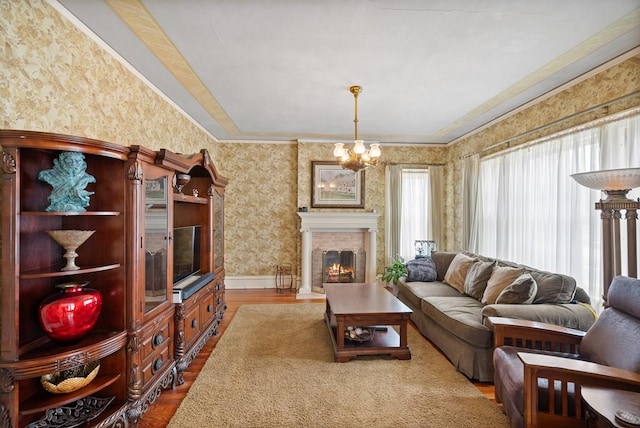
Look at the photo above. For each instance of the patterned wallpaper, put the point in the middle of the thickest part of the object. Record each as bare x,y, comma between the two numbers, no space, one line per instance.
260,207
57,79
54,78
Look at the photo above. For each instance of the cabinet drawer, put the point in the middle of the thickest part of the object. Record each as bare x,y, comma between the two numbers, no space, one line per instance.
153,365
191,323
207,309
156,340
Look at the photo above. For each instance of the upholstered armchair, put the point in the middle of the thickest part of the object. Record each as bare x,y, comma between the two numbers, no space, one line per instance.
530,356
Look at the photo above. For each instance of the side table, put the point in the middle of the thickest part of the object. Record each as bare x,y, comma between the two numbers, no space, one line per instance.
284,278
602,404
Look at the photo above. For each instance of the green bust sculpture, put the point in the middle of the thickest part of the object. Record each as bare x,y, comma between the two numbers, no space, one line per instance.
69,178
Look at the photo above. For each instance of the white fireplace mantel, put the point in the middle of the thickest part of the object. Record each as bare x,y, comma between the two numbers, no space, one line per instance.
337,222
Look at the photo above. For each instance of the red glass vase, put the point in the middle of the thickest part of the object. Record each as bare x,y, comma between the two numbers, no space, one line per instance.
70,314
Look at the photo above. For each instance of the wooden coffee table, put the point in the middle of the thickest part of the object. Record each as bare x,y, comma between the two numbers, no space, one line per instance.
366,305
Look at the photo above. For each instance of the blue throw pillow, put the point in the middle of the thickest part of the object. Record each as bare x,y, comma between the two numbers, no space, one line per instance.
423,269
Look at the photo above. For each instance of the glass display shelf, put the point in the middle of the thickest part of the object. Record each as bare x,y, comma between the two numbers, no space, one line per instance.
55,272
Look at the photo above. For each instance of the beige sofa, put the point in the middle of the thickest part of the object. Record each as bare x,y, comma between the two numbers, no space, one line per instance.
454,318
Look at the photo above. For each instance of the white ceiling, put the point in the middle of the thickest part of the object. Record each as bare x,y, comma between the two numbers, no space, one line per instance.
431,70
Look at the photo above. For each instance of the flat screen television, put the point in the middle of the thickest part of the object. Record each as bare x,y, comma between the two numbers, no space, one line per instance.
186,251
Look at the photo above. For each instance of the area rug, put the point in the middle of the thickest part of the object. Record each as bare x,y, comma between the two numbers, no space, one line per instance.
274,368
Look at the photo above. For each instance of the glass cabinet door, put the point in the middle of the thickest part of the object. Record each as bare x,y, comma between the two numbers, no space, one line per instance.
156,241
218,235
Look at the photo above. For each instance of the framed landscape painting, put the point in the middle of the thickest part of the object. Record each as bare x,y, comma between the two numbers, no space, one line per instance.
334,187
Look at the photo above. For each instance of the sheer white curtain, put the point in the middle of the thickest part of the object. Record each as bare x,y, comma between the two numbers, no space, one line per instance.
408,209
415,210
533,212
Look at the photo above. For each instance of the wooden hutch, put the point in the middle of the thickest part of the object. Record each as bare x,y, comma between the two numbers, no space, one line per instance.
142,339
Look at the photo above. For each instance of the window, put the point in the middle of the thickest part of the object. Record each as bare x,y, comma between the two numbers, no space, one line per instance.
413,208
415,223
532,212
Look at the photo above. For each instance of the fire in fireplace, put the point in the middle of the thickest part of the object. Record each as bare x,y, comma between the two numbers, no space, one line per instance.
338,266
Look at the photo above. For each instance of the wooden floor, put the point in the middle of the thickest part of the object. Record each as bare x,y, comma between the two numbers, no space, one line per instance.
160,413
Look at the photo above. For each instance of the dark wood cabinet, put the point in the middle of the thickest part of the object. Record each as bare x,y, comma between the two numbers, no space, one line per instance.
142,339
150,351
199,299
31,268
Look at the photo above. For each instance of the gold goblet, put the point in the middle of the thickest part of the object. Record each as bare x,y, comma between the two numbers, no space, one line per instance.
70,240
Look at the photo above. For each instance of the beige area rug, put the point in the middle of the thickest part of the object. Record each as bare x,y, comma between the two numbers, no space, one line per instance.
274,368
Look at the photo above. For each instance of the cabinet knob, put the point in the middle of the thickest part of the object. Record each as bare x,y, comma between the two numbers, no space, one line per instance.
194,323
209,307
158,339
157,364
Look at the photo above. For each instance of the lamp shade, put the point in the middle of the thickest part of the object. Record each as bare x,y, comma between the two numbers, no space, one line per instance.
610,179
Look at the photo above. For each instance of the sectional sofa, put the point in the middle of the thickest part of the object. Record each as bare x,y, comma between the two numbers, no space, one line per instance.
453,293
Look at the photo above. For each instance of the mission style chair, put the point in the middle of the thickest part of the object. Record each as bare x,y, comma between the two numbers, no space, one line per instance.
529,356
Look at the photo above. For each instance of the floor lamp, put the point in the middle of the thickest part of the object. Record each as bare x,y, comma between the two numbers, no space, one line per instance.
615,183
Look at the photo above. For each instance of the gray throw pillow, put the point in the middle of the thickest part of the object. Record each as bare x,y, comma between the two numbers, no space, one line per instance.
477,277
501,278
554,288
422,269
457,271
521,291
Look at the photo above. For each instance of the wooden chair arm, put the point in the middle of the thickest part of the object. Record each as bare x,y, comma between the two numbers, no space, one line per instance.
535,335
562,372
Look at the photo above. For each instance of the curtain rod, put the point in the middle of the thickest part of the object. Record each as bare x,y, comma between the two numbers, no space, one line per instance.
604,107
413,164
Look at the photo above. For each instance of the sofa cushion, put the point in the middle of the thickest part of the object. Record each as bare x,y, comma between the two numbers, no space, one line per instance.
415,291
521,291
457,271
477,277
501,277
442,259
566,315
423,269
460,316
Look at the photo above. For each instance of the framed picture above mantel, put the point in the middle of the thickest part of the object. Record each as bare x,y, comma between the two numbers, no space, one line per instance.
335,187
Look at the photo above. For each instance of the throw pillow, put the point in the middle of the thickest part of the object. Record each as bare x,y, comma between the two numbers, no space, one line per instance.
521,291
554,288
457,271
422,269
500,278
477,277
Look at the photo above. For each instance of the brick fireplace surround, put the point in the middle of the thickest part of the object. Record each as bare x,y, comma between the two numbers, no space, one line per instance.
314,223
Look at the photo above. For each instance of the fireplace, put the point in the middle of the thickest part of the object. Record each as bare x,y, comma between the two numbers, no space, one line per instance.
338,266
346,233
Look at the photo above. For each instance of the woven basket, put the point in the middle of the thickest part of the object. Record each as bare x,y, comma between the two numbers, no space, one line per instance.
70,380
359,334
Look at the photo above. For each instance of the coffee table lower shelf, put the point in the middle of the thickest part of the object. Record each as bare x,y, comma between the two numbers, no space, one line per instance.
386,341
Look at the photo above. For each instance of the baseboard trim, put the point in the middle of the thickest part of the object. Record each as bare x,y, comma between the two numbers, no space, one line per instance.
251,282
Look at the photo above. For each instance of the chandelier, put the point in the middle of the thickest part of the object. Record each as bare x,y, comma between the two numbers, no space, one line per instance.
359,157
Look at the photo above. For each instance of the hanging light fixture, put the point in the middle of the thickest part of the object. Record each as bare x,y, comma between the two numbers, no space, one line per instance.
359,157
